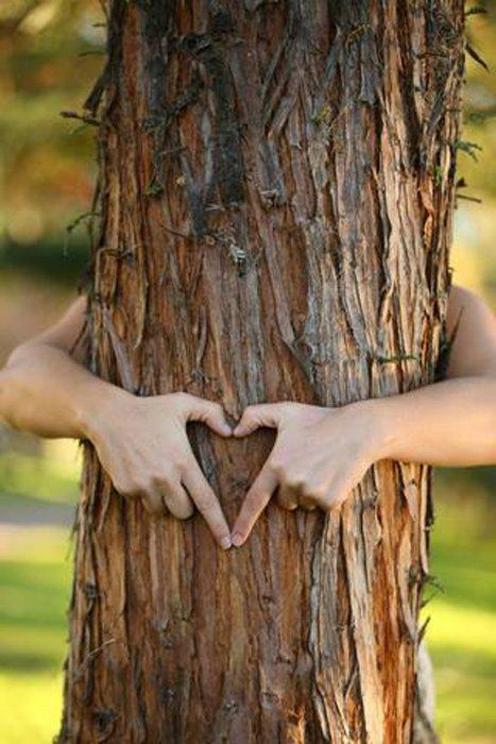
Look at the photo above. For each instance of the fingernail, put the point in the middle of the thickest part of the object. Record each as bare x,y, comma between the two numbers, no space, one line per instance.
226,542
237,539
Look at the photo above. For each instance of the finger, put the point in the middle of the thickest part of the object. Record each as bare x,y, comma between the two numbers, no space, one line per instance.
209,413
263,414
328,498
286,497
207,503
255,502
152,501
177,501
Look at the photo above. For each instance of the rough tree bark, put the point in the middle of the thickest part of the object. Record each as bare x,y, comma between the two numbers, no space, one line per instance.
276,193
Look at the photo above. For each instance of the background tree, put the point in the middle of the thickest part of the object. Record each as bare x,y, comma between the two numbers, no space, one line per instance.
276,191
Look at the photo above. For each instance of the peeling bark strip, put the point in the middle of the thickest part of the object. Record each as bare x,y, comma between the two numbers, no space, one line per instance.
276,185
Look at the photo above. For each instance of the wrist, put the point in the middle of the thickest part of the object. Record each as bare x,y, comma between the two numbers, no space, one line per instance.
100,407
379,426
390,425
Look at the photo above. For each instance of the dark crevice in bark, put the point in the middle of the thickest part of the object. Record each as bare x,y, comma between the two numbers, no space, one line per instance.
275,197
109,76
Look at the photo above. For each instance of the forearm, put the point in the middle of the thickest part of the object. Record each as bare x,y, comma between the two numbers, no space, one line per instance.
450,423
44,391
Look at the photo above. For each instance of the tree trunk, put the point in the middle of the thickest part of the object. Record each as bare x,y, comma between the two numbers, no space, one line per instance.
276,193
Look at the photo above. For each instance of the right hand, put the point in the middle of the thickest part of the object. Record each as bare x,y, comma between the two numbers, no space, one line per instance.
143,445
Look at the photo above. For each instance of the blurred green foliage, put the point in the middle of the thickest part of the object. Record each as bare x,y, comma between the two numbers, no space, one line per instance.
52,51
461,634
35,576
34,594
480,102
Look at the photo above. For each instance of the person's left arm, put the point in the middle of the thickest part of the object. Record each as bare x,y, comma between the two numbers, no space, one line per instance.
321,454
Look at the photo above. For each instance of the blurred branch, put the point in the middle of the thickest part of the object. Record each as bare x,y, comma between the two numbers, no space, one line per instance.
469,198
480,115
476,56
468,147
90,52
462,184
75,223
82,117
475,10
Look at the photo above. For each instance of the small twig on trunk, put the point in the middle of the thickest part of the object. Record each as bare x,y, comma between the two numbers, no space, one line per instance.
93,653
82,117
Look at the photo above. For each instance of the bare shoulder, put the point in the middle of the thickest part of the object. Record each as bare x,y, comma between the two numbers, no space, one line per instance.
473,323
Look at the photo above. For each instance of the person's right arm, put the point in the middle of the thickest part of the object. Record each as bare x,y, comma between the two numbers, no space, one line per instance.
141,441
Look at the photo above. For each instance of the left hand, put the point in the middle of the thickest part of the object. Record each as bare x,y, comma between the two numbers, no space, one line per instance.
319,456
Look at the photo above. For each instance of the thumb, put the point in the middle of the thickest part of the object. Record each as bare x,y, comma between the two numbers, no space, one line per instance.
211,414
263,414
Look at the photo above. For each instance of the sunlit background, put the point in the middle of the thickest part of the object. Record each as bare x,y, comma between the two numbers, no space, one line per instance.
51,52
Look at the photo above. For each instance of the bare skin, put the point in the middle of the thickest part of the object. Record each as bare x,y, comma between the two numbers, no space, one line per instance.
143,445
321,454
140,441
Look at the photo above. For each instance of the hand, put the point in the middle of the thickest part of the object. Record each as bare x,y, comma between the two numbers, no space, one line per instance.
143,445
319,456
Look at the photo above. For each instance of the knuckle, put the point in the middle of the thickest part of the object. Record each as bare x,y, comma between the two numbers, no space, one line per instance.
127,488
315,492
206,504
144,486
184,513
156,480
177,507
165,478
181,466
176,460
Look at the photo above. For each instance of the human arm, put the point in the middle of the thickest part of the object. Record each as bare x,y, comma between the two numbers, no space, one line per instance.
321,454
141,441
450,423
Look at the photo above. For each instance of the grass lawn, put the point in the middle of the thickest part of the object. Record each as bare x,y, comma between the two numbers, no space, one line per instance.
34,590
34,593
462,631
